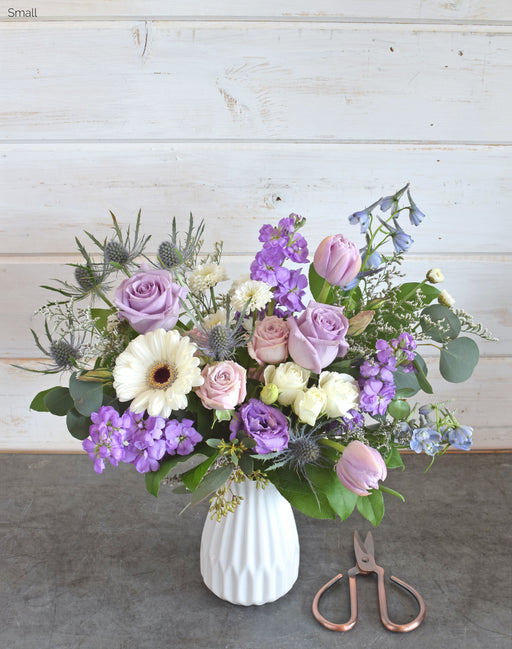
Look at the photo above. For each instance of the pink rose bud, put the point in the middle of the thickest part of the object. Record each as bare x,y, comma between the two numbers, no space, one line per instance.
360,468
337,260
269,343
224,386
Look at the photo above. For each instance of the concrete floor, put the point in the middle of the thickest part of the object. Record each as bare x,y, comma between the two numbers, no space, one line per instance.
94,562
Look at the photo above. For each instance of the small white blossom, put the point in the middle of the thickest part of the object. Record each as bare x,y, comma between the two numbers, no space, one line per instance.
252,292
206,276
445,298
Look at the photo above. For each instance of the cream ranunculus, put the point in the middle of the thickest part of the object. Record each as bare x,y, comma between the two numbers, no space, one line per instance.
308,405
342,393
290,379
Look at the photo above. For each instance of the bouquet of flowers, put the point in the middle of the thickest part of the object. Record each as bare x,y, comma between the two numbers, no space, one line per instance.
169,363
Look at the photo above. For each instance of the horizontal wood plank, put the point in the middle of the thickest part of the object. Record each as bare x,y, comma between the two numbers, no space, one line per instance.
474,10
473,284
50,193
261,80
479,404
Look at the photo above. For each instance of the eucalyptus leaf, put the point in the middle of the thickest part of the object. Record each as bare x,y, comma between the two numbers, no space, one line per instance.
421,374
58,401
458,359
77,424
440,323
38,402
87,397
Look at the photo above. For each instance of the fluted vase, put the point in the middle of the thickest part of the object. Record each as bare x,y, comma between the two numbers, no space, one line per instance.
251,556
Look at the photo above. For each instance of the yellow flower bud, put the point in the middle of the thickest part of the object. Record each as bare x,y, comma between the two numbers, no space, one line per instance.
445,298
269,394
435,276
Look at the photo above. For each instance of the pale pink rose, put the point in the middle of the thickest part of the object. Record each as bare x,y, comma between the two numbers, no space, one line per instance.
224,386
269,343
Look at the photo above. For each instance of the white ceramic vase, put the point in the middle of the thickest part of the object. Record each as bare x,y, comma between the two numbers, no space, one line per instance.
251,556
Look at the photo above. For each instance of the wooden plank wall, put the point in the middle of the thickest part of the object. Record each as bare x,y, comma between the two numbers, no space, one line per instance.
243,112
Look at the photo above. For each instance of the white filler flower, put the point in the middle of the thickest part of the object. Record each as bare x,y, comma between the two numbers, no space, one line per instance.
206,276
252,292
157,370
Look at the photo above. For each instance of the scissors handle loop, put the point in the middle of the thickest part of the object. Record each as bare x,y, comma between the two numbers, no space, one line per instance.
383,606
345,626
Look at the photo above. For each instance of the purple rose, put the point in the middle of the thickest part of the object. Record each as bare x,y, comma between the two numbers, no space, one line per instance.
360,468
149,300
317,337
265,424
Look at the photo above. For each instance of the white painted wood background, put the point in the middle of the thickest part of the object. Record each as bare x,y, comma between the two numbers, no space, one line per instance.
243,112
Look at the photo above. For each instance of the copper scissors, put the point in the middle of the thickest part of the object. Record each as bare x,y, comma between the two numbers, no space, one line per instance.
365,565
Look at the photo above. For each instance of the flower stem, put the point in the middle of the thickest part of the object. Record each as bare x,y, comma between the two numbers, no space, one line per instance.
324,292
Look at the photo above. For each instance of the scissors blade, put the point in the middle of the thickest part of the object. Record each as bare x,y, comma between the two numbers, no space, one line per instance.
369,545
363,550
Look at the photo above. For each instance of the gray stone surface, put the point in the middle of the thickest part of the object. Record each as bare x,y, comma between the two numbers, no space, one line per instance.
95,562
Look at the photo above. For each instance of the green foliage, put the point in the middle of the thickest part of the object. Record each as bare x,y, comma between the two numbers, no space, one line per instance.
58,401
87,397
458,359
317,286
439,323
211,482
193,477
154,479
371,507
78,425
39,401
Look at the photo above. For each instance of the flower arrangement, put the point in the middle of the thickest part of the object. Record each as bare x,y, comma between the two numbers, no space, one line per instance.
258,380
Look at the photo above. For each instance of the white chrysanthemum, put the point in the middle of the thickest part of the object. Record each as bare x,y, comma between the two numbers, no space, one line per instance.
157,370
257,294
219,317
206,276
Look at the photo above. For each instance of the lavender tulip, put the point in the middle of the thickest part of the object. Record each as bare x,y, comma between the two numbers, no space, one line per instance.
337,260
360,468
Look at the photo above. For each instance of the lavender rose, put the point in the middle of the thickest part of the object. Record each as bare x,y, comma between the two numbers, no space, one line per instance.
360,468
149,300
265,424
317,337
269,343
224,385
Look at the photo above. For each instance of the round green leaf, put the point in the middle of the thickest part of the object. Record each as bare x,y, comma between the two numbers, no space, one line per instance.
440,323
77,424
58,401
458,359
87,397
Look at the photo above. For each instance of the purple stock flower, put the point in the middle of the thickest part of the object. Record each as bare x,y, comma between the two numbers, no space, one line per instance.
290,289
145,444
181,437
375,395
265,424
297,249
106,437
264,266
426,440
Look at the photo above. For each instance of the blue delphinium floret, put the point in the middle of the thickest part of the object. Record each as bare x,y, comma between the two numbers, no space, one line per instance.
416,216
363,216
426,440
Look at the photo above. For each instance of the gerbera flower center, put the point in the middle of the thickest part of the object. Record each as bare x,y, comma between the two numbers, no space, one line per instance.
162,375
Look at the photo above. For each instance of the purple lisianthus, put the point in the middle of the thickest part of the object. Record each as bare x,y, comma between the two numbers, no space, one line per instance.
181,437
265,424
149,300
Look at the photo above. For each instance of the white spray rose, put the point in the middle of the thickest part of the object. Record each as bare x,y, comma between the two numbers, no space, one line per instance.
342,393
290,379
309,404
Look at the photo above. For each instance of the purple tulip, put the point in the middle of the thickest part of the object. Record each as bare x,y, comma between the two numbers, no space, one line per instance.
360,468
337,260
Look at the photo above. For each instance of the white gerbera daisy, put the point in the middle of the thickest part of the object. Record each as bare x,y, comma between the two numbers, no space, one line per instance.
257,294
157,370
206,276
